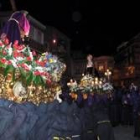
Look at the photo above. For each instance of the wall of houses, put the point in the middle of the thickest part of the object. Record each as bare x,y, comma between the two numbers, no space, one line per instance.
127,62
101,63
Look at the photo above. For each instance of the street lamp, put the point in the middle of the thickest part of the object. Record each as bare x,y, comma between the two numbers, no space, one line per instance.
108,74
54,41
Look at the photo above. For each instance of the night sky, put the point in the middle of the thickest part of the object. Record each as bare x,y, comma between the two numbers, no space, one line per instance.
92,27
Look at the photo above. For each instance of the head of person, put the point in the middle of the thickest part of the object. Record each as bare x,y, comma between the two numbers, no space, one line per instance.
89,57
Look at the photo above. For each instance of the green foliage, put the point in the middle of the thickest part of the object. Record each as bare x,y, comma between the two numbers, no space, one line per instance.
8,69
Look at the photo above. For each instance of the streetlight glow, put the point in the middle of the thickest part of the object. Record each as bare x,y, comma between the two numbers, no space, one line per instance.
108,74
54,41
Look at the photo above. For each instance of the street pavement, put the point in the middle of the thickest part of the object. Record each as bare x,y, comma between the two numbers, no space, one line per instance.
124,133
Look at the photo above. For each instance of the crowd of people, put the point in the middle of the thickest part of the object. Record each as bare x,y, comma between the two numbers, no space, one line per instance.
121,108
124,107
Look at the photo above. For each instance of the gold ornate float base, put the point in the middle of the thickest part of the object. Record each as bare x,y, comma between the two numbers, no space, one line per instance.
34,94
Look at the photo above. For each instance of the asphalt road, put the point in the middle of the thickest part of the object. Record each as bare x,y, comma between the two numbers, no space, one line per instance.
124,133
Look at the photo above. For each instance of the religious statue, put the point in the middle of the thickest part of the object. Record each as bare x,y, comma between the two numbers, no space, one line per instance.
16,28
90,69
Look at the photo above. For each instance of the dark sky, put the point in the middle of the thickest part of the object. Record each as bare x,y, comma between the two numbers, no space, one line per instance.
99,28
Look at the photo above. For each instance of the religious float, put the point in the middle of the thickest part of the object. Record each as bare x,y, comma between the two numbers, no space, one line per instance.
26,76
90,86
91,83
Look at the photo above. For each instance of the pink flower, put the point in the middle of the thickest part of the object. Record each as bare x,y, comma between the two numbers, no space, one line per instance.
9,62
3,60
16,42
37,73
1,44
40,63
47,74
20,47
8,46
6,41
4,52
15,54
33,53
25,66
29,58
17,46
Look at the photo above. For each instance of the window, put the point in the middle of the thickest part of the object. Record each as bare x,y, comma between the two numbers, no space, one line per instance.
101,68
37,35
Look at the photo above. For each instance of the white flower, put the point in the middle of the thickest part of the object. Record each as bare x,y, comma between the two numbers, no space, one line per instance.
20,58
29,66
10,51
31,55
14,63
39,68
107,86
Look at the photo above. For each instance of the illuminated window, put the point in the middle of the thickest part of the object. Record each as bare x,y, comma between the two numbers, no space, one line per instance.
131,69
101,68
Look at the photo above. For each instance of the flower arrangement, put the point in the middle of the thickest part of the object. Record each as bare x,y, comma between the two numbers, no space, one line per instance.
90,85
41,70
38,73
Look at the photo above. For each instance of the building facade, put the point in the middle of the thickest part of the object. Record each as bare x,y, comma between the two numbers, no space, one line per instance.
101,63
127,63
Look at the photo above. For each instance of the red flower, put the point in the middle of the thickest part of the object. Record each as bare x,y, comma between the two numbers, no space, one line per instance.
20,47
37,62
37,73
4,52
49,82
1,44
9,62
29,58
6,41
16,45
25,67
15,42
3,60
43,73
15,54
40,63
